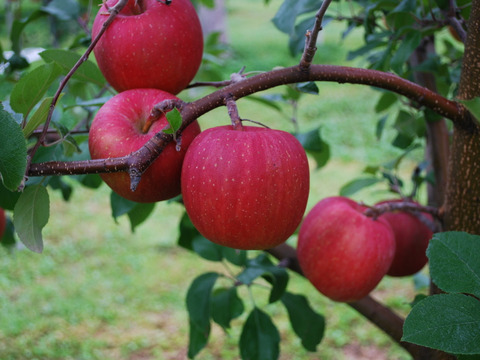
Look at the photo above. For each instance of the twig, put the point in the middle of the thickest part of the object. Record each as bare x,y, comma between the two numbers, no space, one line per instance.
312,36
233,112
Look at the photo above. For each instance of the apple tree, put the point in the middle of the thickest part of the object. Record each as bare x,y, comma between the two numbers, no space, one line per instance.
422,56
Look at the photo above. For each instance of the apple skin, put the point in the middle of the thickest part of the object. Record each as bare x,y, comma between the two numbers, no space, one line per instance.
411,237
341,251
160,47
117,131
3,222
245,188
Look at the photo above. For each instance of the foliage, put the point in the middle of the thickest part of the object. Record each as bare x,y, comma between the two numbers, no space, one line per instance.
392,33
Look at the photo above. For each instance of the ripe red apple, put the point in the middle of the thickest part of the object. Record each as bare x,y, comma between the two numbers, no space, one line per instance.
150,45
412,237
3,222
117,130
245,188
343,252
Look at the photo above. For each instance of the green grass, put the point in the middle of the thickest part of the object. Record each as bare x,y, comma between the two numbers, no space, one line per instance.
100,292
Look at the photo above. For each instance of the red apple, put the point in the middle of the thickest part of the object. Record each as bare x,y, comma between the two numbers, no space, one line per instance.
412,237
245,188
343,252
3,222
117,130
150,45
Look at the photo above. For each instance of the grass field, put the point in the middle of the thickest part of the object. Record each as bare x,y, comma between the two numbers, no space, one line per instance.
101,292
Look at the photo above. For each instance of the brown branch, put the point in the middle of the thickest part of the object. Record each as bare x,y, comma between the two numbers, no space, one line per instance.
312,36
331,73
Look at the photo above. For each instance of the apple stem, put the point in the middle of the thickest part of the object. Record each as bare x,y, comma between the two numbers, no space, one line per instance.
233,112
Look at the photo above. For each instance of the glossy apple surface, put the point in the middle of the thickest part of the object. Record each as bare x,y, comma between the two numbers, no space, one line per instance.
150,45
343,252
245,188
3,222
412,237
117,130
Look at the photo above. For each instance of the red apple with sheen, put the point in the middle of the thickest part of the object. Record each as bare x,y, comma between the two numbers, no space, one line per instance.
343,252
150,45
245,188
3,222
117,130
412,237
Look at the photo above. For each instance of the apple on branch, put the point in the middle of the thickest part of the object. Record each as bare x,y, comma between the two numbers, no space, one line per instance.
119,129
411,236
245,187
149,45
343,252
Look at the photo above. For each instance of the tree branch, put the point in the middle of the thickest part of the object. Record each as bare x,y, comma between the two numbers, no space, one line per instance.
330,73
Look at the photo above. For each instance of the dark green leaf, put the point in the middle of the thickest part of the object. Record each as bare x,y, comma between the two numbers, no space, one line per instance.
260,339
447,322
207,249
8,238
235,256
8,198
198,306
308,88
120,206
261,266
356,185
226,306
385,101
404,51
30,215
286,15
19,25
13,152
57,183
380,126
473,106
307,324
315,146
88,71
454,262
31,87
140,213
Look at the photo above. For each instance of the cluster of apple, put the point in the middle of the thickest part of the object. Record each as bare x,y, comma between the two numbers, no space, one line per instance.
345,253
149,53
244,187
235,180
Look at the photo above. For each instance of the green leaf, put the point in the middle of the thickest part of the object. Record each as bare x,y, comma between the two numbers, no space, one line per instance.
88,71
207,249
287,14
18,26
315,146
8,238
174,118
31,87
473,106
198,306
226,306
139,214
385,101
30,215
261,266
119,205
404,51
235,256
260,339
39,116
13,152
356,185
454,262
447,322
307,324
8,198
